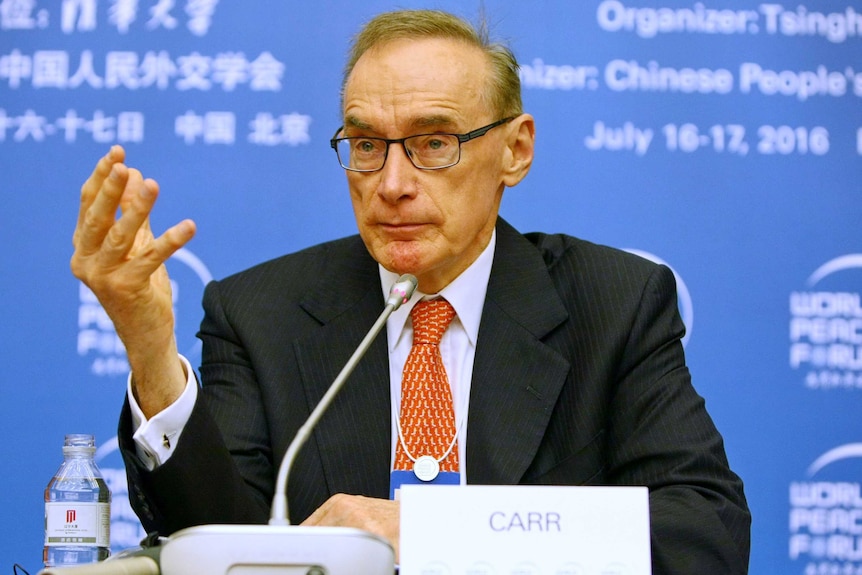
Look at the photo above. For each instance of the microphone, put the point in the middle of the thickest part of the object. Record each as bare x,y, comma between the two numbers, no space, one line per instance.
279,547
401,291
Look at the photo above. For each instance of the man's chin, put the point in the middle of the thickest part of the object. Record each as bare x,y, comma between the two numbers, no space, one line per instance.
402,257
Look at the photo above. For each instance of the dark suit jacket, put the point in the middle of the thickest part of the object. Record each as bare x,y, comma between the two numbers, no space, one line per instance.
579,379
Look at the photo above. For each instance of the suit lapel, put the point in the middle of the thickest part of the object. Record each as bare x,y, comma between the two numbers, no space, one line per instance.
353,437
516,377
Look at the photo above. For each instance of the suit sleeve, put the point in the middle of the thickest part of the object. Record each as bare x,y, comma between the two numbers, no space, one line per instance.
663,437
202,482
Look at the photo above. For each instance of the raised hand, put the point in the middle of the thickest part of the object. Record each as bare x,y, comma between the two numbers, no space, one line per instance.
122,262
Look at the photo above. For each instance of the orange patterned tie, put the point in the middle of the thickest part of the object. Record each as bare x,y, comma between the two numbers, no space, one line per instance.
427,419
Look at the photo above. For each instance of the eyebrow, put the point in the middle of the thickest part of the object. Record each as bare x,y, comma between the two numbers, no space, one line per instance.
438,120
354,122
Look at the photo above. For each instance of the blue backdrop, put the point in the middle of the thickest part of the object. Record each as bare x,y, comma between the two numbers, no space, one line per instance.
723,138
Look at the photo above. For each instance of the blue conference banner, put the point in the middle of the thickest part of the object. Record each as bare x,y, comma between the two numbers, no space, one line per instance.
721,137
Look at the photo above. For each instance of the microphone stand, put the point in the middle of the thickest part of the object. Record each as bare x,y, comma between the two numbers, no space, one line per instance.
279,548
400,293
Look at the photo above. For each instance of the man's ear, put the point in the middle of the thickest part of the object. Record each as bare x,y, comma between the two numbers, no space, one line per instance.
519,149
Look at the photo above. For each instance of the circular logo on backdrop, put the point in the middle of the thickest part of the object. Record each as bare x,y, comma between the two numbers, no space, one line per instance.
686,307
825,519
98,341
840,453
826,326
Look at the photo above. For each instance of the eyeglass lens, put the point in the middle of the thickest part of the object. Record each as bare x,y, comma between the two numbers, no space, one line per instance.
424,150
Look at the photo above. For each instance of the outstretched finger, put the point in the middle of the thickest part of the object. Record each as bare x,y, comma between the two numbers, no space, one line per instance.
102,212
132,229
155,253
91,187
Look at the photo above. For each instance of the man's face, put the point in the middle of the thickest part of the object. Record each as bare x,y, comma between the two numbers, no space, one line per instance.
432,224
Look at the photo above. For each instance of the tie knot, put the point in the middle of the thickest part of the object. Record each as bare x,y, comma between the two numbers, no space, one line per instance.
430,320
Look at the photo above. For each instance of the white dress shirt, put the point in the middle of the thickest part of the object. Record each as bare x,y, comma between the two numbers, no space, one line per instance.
157,437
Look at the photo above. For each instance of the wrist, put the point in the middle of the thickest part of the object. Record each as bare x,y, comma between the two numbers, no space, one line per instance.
158,378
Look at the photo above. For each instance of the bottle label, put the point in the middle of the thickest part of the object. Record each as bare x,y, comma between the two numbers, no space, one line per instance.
77,523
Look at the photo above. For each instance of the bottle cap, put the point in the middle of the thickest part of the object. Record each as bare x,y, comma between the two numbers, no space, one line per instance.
80,440
79,443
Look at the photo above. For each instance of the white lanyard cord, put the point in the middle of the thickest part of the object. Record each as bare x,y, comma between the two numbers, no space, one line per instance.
448,451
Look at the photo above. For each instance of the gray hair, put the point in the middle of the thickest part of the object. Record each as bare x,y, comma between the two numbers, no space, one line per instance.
504,84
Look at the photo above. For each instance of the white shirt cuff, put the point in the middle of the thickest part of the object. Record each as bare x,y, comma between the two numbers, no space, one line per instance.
156,438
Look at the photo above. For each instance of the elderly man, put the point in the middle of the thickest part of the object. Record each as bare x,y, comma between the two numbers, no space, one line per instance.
561,360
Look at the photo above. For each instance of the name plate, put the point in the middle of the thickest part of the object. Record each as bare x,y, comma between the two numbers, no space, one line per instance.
524,530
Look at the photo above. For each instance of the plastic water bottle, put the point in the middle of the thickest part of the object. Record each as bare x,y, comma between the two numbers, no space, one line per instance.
77,508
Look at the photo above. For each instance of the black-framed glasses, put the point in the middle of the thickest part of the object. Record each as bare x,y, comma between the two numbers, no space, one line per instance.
426,151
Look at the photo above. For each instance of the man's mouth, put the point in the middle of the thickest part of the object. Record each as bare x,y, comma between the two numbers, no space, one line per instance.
402,228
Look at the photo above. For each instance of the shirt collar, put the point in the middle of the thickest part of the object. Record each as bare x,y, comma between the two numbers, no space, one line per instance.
466,293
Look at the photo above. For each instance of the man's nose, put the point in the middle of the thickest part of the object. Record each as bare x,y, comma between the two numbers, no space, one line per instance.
397,177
